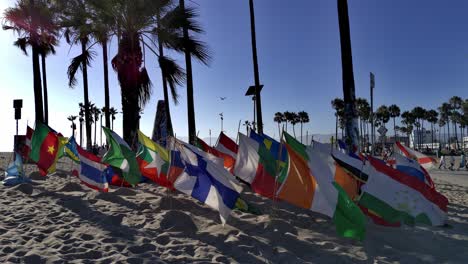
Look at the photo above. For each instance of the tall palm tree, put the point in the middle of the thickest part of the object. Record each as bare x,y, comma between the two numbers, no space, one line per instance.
112,112
394,111
294,120
247,126
45,50
72,119
188,49
338,105
76,22
349,96
408,120
34,24
431,117
289,117
419,113
362,108
81,114
455,104
445,111
441,124
96,112
279,119
383,115
303,119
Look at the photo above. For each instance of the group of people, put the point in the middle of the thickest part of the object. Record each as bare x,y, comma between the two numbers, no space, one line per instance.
463,164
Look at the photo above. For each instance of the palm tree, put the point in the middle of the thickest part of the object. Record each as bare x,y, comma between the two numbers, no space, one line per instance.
294,120
394,113
288,117
112,112
96,112
441,125
456,104
34,24
431,117
76,22
303,118
445,112
73,126
338,105
101,30
81,114
408,120
45,50
279,119
363,112
419,113
383,115
190,46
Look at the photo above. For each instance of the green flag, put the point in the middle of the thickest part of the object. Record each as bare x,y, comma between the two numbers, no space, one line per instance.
121,156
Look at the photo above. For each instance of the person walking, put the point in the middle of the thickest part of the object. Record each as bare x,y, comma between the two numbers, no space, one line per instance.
442,161
462,161
452,162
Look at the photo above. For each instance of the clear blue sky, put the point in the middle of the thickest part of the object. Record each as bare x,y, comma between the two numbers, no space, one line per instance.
417,49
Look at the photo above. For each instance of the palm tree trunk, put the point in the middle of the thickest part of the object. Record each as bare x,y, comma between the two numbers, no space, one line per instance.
95,130
348,75
279,131
190,103
165,91
456,135
394,130
336,129
432,136
106,83
37,85
294,131
301,132
44,82
81,134
258,102
86,99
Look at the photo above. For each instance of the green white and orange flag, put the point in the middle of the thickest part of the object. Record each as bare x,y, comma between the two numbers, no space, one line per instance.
312,182
122,157
45,147
154,161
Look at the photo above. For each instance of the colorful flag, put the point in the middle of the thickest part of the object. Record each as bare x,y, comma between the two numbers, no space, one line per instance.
227,146
256,166
153,160
425,161
27,147
208,183
205,155
122,157
93,173
398,197
311,183
228,159
70,150
45,146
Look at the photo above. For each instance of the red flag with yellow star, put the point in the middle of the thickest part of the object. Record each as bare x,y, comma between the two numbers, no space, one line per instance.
45,145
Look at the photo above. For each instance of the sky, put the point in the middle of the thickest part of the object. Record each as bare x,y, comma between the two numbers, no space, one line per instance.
417,49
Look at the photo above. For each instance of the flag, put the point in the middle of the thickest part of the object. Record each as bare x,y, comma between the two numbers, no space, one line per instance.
208,182
153,161
71,151
425,161
256,166
311,183
45,146
278,151
122,157
226,145
177,143
27,148
398,197
93,173
14,173
228,159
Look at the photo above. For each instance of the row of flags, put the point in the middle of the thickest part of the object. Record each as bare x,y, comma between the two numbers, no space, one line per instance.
343,186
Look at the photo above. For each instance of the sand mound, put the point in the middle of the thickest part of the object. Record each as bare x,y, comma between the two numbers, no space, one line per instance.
177,221
25,188
36,176
71,187
124,192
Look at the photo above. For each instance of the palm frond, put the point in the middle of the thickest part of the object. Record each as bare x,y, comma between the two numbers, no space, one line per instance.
173,74
144,87
22,43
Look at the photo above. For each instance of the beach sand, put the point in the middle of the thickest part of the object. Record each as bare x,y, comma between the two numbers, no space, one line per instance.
56,220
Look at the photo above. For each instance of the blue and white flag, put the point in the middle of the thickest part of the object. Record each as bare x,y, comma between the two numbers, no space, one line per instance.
93,173
409,166
14,174
208,182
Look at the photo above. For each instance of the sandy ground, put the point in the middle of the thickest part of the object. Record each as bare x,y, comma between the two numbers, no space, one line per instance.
57,220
